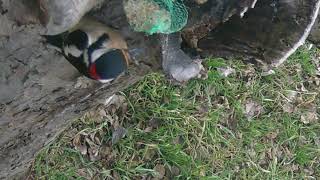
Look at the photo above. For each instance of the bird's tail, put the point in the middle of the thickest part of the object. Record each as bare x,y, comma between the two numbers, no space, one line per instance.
55,40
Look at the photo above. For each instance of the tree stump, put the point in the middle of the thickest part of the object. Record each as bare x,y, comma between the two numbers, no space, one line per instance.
267,34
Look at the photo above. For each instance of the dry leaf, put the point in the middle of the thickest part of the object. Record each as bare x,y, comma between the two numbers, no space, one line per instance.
272,135
90,142
116,100
267,73
249,71
118,134
253,109
166,100
79,145
294,167
262,158
175,171
116,175
153,123
303,140
83,149
252,153
98,137
94,154
202,172
148,129
222,101
178,140
102,112
308,171
82,172
226,71
161,171
149,154
288,108
124,108
110,119
144,177
76,140
96,114
317,141
108,156
309,117
291,95
105,151
203,109
203,153
288,153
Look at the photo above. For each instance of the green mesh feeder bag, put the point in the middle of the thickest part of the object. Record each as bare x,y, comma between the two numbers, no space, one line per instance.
156,16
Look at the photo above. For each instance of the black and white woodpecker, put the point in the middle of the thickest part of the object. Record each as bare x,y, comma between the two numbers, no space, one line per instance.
96,50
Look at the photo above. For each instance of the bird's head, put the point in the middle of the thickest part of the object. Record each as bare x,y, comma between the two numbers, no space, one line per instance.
109,65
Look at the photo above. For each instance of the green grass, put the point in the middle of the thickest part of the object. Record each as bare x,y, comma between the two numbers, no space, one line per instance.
202,130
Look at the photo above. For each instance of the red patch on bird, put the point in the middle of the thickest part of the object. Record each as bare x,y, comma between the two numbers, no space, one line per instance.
93,72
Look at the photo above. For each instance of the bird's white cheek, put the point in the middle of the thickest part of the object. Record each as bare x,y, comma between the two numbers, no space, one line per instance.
97,54
93,35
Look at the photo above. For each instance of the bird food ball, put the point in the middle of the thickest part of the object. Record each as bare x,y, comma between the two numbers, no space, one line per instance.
147,16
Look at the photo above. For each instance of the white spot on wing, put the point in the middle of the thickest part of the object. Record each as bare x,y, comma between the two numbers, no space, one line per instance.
97,54
73,50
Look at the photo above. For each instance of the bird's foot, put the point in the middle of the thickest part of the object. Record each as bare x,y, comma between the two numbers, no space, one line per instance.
187,71
176,63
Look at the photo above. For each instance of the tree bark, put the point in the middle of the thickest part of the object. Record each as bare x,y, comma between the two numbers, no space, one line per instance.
39,89
267,34
314,36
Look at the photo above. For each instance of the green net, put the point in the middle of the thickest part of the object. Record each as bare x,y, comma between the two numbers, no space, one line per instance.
156,16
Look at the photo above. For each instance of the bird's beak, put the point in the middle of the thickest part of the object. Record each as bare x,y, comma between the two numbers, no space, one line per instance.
126,56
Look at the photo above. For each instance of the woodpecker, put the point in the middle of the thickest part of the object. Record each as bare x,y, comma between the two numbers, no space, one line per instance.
96,50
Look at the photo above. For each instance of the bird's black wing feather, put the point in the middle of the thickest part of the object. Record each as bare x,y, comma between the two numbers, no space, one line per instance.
56,40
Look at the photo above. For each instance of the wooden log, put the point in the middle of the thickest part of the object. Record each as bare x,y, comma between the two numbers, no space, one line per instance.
269,33
314,36
209,14
41,93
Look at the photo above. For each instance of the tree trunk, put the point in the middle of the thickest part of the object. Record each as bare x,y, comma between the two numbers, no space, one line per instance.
39,89
267,34
314,36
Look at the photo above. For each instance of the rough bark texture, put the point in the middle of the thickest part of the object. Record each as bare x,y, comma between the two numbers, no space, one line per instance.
205,17
269,33
315,33
39,90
